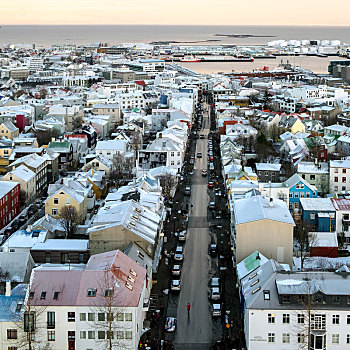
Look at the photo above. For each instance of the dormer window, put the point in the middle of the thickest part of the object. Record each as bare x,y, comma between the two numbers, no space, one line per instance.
55,295
266,295
91,292
128,285
131,279
108,292
43,295
31,295
133,272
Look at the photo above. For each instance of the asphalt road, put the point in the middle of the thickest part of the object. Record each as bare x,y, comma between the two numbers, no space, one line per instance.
196,331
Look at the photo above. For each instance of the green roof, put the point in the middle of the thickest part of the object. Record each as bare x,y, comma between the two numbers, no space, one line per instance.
57,144
251,262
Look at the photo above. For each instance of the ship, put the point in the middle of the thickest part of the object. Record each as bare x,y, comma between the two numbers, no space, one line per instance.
189,59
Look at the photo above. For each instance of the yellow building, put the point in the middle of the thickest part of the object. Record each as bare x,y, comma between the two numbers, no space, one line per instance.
65,196
5,152
298,126
8,130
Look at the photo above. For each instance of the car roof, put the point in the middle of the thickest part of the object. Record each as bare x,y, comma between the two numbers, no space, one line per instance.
176,266
217,306
215,290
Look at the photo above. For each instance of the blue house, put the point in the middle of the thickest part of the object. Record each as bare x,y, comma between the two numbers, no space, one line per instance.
299,188
319,213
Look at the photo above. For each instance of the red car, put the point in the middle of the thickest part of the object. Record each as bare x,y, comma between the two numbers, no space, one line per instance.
211,184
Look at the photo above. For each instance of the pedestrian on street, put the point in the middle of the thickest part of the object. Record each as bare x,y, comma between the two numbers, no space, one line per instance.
188,306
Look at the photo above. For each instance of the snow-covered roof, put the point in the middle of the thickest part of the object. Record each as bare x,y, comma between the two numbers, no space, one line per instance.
317,204
62,245
268,167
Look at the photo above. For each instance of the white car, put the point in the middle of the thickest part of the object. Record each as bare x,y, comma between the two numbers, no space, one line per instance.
214,294
179,253
182,236
216,310
176,270
175,285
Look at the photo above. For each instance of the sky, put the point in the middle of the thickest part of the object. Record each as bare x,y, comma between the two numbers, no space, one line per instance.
176,12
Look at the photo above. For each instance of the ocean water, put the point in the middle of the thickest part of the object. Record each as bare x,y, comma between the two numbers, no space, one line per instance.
45,36
114,34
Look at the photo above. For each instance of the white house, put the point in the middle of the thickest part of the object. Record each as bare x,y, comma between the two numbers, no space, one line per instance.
339,175
111,148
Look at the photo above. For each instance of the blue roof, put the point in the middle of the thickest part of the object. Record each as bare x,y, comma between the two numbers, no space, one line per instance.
150,60
8,305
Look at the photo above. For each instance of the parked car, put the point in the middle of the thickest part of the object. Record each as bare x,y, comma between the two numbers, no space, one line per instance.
63,173
212,205
8,231
211,184
214,294
176,270
16,224
187,191
213,250
22,219
175,285
199,155
201,136
204,172
170,324
182,236
216,310
215,282
179,253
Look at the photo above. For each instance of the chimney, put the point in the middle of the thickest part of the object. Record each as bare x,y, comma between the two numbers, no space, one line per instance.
29,228
271,202
8,291
53,139
257,257
160,135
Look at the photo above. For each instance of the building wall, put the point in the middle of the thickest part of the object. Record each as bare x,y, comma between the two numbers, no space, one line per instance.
321,181
9,205
339,180
265,236
28,187
296,193
116,237
259,328
57,257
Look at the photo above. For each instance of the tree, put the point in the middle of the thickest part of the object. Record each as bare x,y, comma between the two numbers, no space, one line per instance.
122,168
77,122
44,137
112,319
29,322
167,182
305,240
136,140
69,218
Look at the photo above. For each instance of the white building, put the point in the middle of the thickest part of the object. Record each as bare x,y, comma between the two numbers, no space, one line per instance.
81,304
339,176
109,149
278,311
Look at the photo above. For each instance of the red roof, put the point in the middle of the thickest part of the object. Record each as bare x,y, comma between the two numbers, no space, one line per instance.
140,82
103,271
341,204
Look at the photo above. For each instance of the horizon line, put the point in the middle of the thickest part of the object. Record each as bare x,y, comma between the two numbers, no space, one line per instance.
168,25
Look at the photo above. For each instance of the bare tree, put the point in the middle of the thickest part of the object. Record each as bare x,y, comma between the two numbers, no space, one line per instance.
136,140
112,319
122,169
29,321
167,182
77,122
305,240
44,137
69,218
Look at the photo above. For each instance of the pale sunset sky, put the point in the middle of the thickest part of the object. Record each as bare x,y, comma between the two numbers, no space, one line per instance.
196,12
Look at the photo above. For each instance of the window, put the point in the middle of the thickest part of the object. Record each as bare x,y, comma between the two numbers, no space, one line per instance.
54,212
266,295
51,320
335,338
128,317
286,338
91,317
101,334
336,179
110,334
307,194
83,317
71,316
110,316
120,316
290,194
12,348
285,299
51,335
91,292
343,171
43,295
286,318
302,194
312,177
271,337
108,292
312,216
120,334
71,335
335,319
296,194
67,200
336,299
128,335
82,334
55,295
172,154
29,321
12,334
101,316
271,318
55,200
343,179
318,322
301,338
91,334
301,318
